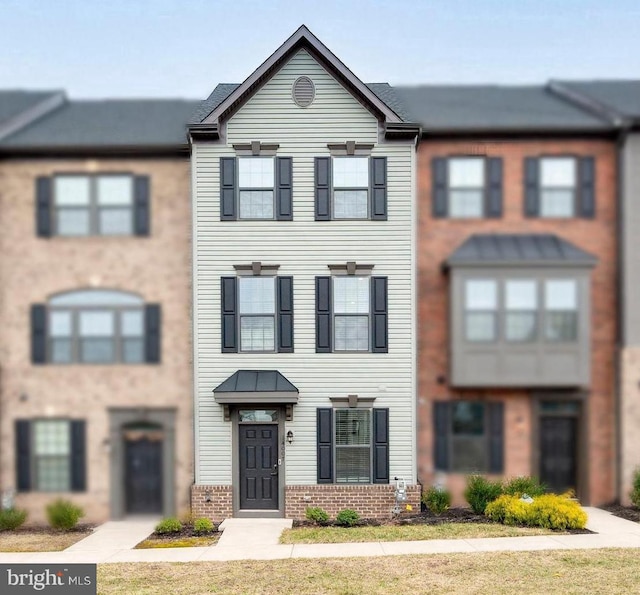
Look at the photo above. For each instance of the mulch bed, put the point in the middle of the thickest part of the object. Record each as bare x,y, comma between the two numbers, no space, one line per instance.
630,513
47,530
453,515
186,531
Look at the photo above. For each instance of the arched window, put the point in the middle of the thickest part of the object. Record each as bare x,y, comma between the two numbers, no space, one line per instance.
96,326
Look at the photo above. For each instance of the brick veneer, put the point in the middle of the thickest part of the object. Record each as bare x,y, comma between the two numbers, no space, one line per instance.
370,501
219,508
438,238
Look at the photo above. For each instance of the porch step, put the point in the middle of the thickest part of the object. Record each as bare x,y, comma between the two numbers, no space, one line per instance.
252,532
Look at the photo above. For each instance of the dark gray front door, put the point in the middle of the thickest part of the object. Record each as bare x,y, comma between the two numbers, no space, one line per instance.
258,466
143,476
558,453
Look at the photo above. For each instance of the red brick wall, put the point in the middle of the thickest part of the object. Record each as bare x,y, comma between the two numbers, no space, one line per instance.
220,507
438,238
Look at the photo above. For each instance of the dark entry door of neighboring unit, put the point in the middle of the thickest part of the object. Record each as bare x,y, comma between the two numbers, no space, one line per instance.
143,476
258,466
558,453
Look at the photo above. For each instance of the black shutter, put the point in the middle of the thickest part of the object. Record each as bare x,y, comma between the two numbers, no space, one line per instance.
439,201
284,184
586,190
229,315
378,176
44,200
142,209
493,206
23,455
285,314
379,315
153,334
324,434
38,334
78,456
441,426
531,187
380,446
324,342
323,188
228,189
496,437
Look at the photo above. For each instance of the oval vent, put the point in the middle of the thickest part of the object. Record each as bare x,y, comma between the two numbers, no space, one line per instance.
303,91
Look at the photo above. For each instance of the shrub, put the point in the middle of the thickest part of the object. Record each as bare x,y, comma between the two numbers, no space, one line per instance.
347,518
635,490
202,525
317,515
169,525
64,515
480,491
437,499
12,518
548,511
518,486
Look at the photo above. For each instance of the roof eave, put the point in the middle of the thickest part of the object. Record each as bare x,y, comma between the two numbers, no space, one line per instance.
431,133
7,151
570,264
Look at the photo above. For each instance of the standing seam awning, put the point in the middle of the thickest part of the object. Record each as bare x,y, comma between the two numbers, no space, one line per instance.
251,386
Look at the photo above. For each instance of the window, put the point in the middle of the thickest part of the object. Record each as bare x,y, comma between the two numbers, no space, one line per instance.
97,327
561,310
51,455
521,305
481,304
469,436
353,445
557,186
93,205
257,309
351,306
256,182
466,187
350,187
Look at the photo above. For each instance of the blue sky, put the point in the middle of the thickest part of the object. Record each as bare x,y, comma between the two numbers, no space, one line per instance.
182,48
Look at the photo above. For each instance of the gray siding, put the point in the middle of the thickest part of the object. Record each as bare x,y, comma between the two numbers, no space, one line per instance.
303,248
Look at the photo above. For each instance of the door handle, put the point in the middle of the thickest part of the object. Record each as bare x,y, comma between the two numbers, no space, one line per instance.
275,469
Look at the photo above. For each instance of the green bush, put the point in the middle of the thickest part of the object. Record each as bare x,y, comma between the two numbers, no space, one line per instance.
169,525
317,515
517,486
12,518
635,490
202,525
548,511
437,499
480,491
347,518
64,515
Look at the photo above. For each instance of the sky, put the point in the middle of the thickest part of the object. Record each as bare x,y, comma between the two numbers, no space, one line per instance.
183,48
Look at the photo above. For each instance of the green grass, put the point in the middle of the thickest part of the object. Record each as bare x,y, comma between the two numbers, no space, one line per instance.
404,533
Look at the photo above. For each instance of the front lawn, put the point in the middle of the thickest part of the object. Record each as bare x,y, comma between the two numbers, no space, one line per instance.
153,542
598,572
39,540
404,532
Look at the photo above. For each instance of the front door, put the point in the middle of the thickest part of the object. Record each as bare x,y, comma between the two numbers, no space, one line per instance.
558,452
143,476
258,466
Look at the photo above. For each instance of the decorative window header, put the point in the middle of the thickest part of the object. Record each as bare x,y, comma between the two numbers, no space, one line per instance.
256,268
256,148
350,147
351,268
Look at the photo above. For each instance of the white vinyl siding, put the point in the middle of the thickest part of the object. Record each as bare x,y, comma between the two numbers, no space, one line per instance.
303,248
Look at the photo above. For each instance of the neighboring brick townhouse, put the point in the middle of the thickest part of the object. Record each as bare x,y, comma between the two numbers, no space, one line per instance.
305,287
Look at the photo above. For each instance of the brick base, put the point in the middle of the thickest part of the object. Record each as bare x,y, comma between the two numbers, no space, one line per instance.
370,501
220,506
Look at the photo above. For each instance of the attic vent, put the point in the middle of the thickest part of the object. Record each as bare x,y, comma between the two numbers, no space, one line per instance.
303,91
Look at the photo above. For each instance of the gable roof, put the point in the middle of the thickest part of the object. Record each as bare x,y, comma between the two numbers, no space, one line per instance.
216,108
20,108
110,124
478,108
520,250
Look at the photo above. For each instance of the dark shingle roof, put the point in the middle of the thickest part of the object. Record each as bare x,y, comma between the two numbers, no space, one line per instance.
259,381
519,249
621,96
388,94
13,103
109,123
440,108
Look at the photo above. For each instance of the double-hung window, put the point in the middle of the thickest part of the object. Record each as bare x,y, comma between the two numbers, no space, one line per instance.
256,180
466,187
51,451
351,306
561,310
558,187
481,307
521,308
257,311
350,187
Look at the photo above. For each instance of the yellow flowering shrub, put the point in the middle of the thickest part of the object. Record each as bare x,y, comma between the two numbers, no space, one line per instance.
548,511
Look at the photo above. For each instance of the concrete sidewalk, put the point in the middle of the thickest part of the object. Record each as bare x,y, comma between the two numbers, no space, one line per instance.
257,539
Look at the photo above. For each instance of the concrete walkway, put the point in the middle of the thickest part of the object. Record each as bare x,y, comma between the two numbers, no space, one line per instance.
257,539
